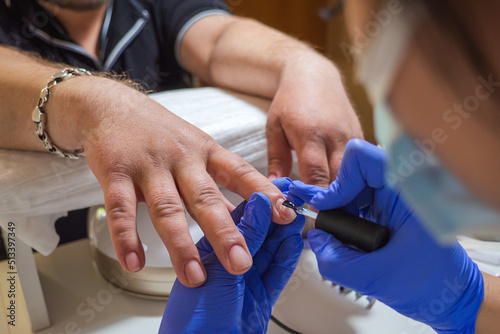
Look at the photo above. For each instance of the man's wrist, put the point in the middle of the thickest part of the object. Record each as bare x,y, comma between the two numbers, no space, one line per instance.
39,114
76,107
307,64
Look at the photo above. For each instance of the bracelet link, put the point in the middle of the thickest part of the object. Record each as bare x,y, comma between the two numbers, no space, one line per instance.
44,96
39,116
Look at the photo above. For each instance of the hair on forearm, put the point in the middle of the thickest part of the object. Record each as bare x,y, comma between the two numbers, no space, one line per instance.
122,78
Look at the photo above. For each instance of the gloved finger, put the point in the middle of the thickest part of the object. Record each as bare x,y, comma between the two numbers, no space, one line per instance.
291,197
204,247
255,222
326,246
294,199
334,257
363,165
313,163
279,152
282,183
267,253
351,208
305,192
237,213
364,198
300,192
121,209
283,266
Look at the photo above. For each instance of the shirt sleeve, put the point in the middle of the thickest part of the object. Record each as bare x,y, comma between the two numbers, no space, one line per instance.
8,31
179,15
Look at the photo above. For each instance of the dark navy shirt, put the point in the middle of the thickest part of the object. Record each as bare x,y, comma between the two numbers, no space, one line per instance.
139,37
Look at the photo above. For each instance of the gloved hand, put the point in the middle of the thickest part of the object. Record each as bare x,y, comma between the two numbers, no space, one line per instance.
226,303
429,282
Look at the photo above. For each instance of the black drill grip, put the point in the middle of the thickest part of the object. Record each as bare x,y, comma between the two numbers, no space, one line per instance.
353,230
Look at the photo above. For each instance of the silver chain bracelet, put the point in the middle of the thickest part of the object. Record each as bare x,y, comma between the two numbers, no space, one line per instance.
40,116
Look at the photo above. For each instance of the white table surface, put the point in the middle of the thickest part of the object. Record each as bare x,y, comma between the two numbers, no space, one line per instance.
78,298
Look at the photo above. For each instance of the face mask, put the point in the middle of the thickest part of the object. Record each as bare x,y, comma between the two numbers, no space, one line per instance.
442,202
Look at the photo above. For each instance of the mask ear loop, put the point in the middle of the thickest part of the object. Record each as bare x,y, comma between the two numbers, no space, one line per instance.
377,65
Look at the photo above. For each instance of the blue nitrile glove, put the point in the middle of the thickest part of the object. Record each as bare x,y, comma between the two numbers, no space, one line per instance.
435,284
226,303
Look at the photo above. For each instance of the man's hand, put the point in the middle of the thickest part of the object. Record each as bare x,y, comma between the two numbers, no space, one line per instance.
312,115
141,152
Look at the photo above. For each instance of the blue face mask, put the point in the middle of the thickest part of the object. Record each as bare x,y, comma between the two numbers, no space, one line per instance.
442,202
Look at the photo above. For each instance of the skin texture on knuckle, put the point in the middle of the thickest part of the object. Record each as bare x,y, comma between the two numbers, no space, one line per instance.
184,146
313,167
317,175
194,144
204,197
163,206
239,172
226,236
121,216
181,250
273,126
122,234
122,228
277,162
116,178
117,212
315,134
242,169
110,165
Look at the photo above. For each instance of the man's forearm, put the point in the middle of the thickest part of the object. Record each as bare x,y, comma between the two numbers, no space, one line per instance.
246,55
21,79
72,106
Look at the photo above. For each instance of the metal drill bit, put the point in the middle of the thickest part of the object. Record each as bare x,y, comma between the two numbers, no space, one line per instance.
300,209
290,205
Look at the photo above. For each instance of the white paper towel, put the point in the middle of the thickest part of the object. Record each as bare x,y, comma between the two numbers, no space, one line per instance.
37,188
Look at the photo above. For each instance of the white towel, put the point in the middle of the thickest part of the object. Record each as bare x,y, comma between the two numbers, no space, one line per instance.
37,188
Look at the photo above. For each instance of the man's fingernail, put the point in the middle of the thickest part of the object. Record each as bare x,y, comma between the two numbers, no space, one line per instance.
133,262
239,258
286,213
272,177
194,273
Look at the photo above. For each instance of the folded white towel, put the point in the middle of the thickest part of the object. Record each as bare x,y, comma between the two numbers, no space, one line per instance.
37,188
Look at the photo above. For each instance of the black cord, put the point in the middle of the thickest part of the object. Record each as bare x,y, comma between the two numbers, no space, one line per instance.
283,326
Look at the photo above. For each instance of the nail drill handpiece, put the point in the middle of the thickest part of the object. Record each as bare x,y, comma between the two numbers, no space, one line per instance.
346,227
